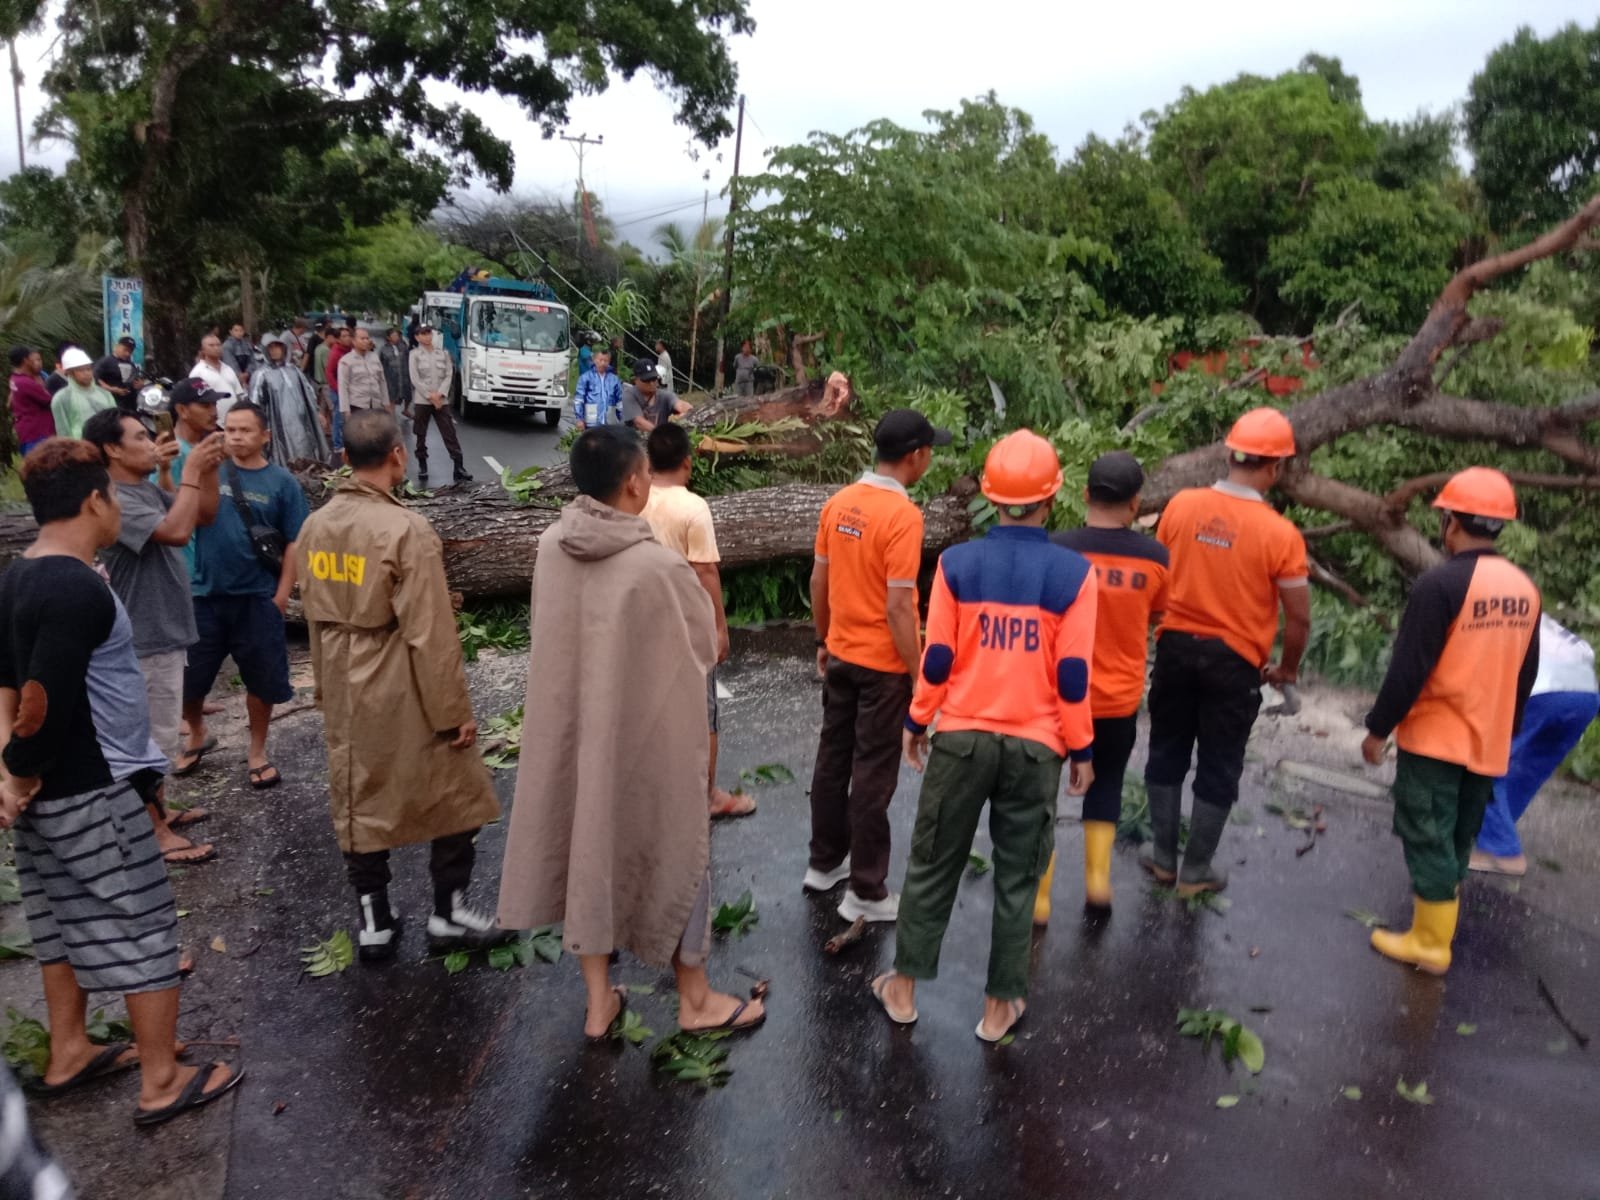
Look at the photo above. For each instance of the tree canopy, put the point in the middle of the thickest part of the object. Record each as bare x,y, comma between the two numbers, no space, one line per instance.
236,130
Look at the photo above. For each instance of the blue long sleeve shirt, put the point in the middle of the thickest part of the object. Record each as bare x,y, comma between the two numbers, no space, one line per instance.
602,390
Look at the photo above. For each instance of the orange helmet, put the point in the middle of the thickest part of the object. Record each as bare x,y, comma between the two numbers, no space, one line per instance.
1479,492
1263,432
1022,468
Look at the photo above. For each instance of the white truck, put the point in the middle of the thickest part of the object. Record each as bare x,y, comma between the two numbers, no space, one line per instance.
511,344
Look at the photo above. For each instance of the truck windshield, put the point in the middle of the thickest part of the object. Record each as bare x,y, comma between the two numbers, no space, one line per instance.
509,325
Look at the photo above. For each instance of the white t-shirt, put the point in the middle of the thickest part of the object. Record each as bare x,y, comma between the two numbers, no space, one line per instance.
1566,661
223,379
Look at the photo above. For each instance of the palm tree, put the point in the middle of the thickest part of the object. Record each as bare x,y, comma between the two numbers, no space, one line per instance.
695,254
42,304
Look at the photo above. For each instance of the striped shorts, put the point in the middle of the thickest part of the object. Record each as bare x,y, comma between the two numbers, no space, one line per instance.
95,891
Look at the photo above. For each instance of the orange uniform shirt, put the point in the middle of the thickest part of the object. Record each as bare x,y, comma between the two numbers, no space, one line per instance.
870,535
1010,640
1464,663
1131,574
1230,553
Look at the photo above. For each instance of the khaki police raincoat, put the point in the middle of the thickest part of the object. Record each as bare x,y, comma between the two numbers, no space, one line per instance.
390,680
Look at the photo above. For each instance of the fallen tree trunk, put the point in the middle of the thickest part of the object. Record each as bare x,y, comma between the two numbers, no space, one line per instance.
491,543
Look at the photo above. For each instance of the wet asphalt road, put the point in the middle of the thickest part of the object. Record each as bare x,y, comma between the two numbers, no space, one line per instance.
405,1082
513,440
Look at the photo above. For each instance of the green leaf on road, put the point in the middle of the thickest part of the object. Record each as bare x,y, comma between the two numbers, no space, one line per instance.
329,957
1369,919
456,961
1351,1093
978,863
736,918
1417,1093
1466,1030
1227,1101
766,774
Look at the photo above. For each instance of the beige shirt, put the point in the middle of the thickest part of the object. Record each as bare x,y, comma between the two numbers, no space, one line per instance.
681,521
361,382
430,372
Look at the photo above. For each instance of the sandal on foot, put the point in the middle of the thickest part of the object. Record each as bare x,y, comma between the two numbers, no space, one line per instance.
622,1007
740,804
877,987
259,780
198,854
732,1024
196,755
194,1095
1019,1009
187,817
103,1064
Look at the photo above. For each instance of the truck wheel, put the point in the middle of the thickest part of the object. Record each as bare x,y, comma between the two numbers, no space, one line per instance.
552,417
460,400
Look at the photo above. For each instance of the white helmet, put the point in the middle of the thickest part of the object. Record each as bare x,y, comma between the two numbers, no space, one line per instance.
75,358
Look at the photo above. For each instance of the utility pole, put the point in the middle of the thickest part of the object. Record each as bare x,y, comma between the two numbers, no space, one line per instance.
580,143
16,96
699,282
727,251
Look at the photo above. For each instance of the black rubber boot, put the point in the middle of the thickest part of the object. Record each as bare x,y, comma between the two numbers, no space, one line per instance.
1206,824
461,475
1159,855
379,938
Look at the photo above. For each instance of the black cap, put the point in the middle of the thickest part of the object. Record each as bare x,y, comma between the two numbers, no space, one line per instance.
1115,477
195,391
644,371
128,342
903,431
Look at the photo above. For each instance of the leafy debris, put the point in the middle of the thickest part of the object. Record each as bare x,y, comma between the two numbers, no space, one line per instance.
328,957
736,918
1237,1041
1417,1093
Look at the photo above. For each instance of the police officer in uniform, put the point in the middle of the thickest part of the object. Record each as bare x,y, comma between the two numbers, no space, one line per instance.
1464,663
393,693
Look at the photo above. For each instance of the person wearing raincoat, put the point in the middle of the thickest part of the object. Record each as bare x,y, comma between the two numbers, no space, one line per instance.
402,767
282,391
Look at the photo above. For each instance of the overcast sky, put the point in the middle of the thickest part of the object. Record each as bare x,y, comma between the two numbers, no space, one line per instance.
1078,68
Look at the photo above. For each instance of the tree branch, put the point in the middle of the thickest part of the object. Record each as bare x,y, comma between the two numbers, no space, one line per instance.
1397,500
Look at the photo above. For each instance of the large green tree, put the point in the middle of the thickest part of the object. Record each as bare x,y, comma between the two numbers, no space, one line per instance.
1246,157
211,121
1533,125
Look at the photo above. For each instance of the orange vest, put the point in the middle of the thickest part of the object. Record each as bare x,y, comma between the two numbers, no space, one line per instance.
1468,705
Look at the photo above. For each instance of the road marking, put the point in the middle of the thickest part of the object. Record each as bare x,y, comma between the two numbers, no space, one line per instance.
723,693
494,465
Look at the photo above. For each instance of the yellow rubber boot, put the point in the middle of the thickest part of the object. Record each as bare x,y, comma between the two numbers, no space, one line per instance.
1041,902
1426,945
1098,837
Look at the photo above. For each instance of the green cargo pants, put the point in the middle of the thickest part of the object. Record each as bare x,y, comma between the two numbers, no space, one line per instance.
1018,779
1438,810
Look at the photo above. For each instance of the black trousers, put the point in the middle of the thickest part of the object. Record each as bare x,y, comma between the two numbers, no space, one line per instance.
450,864
1201,693
421,413
1113,744
858,768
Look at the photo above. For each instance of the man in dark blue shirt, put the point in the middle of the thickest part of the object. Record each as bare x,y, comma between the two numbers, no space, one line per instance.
239,600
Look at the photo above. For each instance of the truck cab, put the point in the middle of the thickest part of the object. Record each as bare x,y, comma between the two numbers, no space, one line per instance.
510,342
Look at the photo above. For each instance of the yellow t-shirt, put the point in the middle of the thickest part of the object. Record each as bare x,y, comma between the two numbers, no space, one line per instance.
681,521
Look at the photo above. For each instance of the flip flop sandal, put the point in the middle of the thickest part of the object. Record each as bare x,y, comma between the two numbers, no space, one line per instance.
877,988
732,1024
198,753
194,1095
729,814
187,817
208,854
258,778
101,1066
622,1007
1015,1021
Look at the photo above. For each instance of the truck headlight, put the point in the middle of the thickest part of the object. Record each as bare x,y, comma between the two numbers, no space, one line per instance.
478,379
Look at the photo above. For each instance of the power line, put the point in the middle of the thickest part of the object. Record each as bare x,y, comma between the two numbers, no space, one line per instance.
600,312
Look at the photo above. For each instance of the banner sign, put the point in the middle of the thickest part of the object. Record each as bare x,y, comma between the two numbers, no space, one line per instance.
124,309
